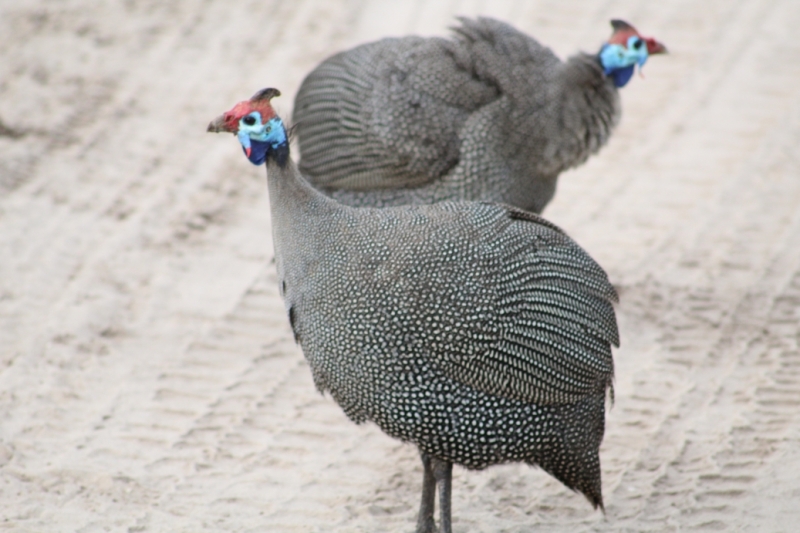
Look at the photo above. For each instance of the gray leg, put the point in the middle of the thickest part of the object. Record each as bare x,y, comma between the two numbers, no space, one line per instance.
425,523
443,472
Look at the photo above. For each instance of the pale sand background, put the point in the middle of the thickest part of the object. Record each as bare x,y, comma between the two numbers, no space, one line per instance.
149,382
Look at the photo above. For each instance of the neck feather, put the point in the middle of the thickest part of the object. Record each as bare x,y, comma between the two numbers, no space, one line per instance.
291,197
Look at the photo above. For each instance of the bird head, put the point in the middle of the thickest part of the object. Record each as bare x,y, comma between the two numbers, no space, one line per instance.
259,129
626,49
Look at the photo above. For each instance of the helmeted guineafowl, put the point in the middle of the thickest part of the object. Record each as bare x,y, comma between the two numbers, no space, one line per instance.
477,331
488,115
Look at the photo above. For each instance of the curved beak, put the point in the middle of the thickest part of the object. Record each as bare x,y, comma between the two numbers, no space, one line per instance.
219,124
654,47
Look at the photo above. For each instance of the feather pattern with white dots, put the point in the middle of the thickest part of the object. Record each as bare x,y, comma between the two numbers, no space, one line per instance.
489,114
477,331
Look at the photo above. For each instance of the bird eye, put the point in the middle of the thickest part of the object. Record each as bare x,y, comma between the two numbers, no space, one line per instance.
249,120
637,44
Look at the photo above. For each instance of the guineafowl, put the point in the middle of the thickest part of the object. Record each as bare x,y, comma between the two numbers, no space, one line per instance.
489,115
477,331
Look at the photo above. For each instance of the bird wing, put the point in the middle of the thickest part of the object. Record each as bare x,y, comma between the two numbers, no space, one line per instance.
390,113
488,295
527,314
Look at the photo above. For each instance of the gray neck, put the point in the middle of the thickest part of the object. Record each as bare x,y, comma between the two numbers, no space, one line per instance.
289,192
580,110
298,212
588,93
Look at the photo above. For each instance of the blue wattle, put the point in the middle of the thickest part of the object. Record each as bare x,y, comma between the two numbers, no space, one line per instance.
619,61
261,139
258,151
621,76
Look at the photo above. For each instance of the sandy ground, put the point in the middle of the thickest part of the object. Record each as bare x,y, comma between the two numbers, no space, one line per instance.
148,381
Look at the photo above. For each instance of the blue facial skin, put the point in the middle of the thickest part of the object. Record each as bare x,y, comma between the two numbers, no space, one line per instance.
258,138
620,61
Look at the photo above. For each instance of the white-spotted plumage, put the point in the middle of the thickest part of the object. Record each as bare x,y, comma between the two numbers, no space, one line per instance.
490,115
477,331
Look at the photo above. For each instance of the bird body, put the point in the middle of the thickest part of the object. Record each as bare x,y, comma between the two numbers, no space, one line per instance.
404,323
477,331
488,115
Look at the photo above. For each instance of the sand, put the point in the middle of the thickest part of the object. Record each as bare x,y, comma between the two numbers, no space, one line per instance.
148,379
